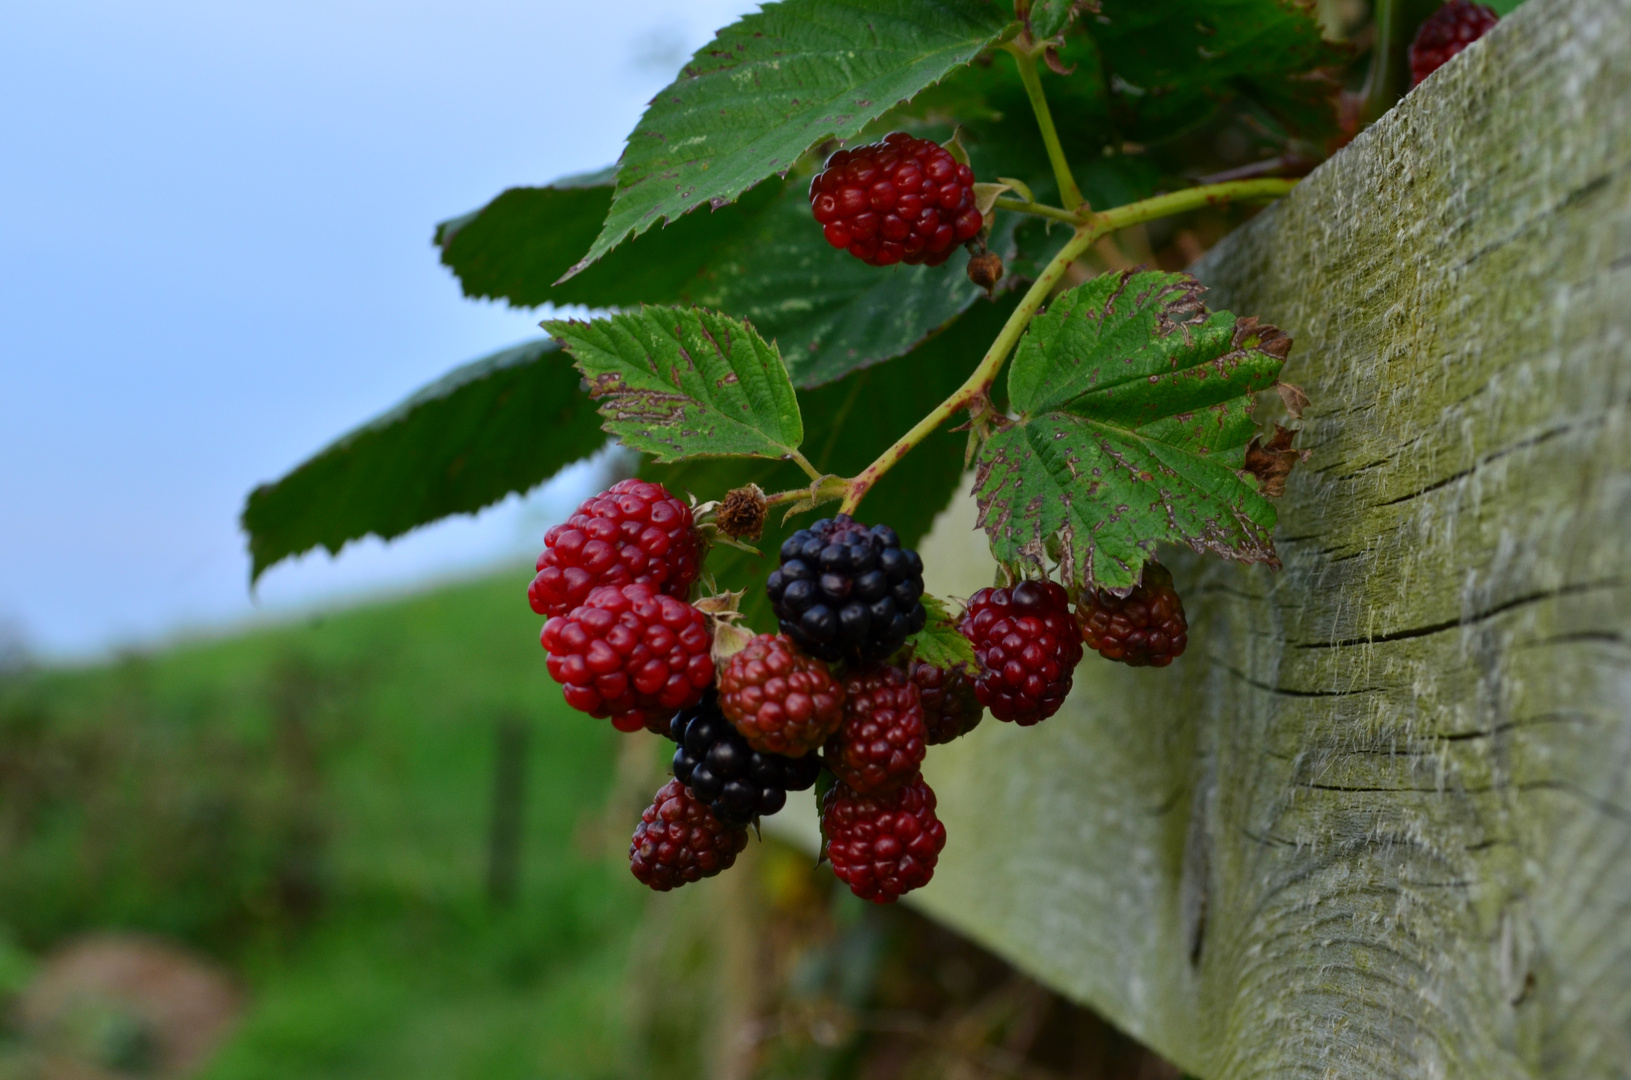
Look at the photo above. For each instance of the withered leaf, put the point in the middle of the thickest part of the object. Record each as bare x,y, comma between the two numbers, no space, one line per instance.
1273,461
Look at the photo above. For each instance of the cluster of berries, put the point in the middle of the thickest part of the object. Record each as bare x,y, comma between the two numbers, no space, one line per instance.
838,690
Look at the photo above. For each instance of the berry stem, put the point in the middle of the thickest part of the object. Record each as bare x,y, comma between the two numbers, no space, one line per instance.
1025,51
1091,227
1178,202
1019,206
972,395
804,463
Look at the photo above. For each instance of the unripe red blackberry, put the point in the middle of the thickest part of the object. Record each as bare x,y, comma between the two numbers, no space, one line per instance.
846,592
631,654
1146,628
635,533
882,846
781,701
950,706
680,840
899,200
881,743
1446,32
1028,644
737,782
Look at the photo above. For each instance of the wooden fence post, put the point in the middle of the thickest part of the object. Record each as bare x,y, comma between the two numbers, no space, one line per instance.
1377,822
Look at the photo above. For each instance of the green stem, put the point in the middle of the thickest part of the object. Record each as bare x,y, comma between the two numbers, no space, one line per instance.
1178,202
1090,228
1024,53
1019,206
804,463
977,385
824,489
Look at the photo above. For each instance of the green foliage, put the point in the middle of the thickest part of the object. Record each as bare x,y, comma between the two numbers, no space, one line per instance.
940,642
754,259
1170,64
1134,415
719,316
768,88
1045,18
499,425
854,420
829,312
684,382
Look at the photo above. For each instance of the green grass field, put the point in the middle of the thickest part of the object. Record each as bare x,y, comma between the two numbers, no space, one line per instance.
312,804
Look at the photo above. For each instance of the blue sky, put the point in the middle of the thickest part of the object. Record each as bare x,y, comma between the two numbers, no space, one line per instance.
217,258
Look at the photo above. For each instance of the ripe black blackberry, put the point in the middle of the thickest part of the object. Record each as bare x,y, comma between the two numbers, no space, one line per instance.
846,592
737,782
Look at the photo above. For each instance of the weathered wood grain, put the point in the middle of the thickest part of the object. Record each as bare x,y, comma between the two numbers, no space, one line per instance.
1377,823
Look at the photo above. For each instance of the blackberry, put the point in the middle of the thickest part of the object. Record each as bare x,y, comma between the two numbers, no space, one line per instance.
846,592
883,845
780,700
1028,644
631,654
899,200
680,840
950,706
1446,32
635,533
1146,628
882,740
737,782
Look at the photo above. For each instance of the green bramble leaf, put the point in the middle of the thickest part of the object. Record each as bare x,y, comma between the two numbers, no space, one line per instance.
499,425
1134,411
851,422
940,642
780,81
1170,65
684,382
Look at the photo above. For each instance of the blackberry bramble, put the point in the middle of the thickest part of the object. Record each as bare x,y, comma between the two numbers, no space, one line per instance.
1446,32
635,533
846,592
1146,628
679,840
1028,644
899,200
950,706
737,782
882,741
781,702
632,655
882,846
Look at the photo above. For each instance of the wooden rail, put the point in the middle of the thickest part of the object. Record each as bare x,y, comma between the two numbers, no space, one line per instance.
1377,823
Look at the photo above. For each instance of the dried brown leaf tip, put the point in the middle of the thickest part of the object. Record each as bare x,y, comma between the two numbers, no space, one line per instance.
1272,462
742,513
1293,398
